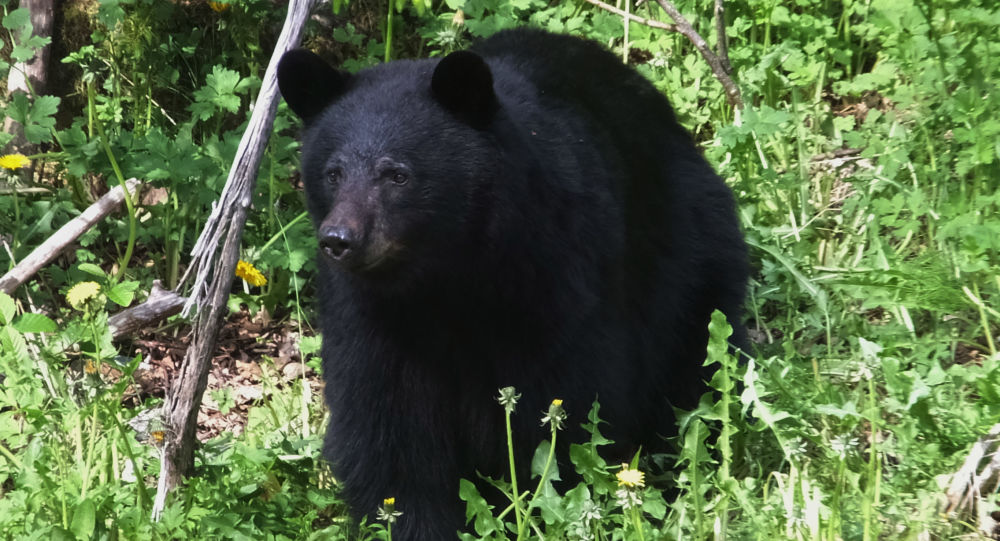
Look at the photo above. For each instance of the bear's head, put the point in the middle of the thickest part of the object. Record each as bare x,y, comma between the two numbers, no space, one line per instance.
397,160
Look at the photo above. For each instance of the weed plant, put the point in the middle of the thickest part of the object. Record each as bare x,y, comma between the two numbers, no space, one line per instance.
866,162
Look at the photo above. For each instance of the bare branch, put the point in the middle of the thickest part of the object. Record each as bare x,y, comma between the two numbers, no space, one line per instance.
653,23
720,34
214,267
161,304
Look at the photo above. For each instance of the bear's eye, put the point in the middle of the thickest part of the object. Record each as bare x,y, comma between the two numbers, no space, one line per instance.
333,176
398,177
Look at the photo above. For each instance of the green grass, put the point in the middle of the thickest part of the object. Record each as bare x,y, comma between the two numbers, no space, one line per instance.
873,301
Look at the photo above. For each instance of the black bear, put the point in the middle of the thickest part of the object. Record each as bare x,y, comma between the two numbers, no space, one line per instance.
528,213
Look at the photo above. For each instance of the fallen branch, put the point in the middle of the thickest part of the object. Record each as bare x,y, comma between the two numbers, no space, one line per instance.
14,190
976,481
58,241
161,304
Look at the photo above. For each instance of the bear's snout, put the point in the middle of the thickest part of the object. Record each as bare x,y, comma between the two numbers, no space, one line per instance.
337,241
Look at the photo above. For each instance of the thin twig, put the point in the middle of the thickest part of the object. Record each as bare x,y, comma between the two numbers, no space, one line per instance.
652,23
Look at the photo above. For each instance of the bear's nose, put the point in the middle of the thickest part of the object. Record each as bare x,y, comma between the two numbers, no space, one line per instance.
336,241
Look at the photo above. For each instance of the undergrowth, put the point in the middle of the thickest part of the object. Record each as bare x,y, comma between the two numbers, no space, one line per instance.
866,163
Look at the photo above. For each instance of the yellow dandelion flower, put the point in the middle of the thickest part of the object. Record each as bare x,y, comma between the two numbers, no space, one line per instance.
388,513
82,292
14,161
158,436
250,274
89,367
218,7
557,401
631,478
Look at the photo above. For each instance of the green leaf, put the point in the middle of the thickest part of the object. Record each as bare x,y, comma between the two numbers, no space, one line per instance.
12,341
123,293
83,519
694,452
476,506
591,466
869,350
654,505
40,128
20,53
17,19
36,117
848,410
92,269
298,258
540,458
309,345
804,281
110,13
37,42
218,94
552,505
780,15
7,309
33,323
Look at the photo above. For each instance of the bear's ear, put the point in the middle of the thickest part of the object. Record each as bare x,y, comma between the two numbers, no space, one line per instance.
308,83
462,82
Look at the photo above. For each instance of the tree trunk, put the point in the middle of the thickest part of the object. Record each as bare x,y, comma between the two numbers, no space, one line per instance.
35,71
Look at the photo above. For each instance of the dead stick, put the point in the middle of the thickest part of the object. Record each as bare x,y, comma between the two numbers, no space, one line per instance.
964,486
58,241
5,190
652,23
214,270
161,304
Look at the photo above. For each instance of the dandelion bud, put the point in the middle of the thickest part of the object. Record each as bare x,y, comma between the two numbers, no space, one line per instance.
508,398
556,415
388,511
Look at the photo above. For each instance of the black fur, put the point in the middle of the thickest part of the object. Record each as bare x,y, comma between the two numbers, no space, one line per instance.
530,214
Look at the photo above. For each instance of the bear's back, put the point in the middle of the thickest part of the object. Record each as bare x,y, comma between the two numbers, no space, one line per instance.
583,73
